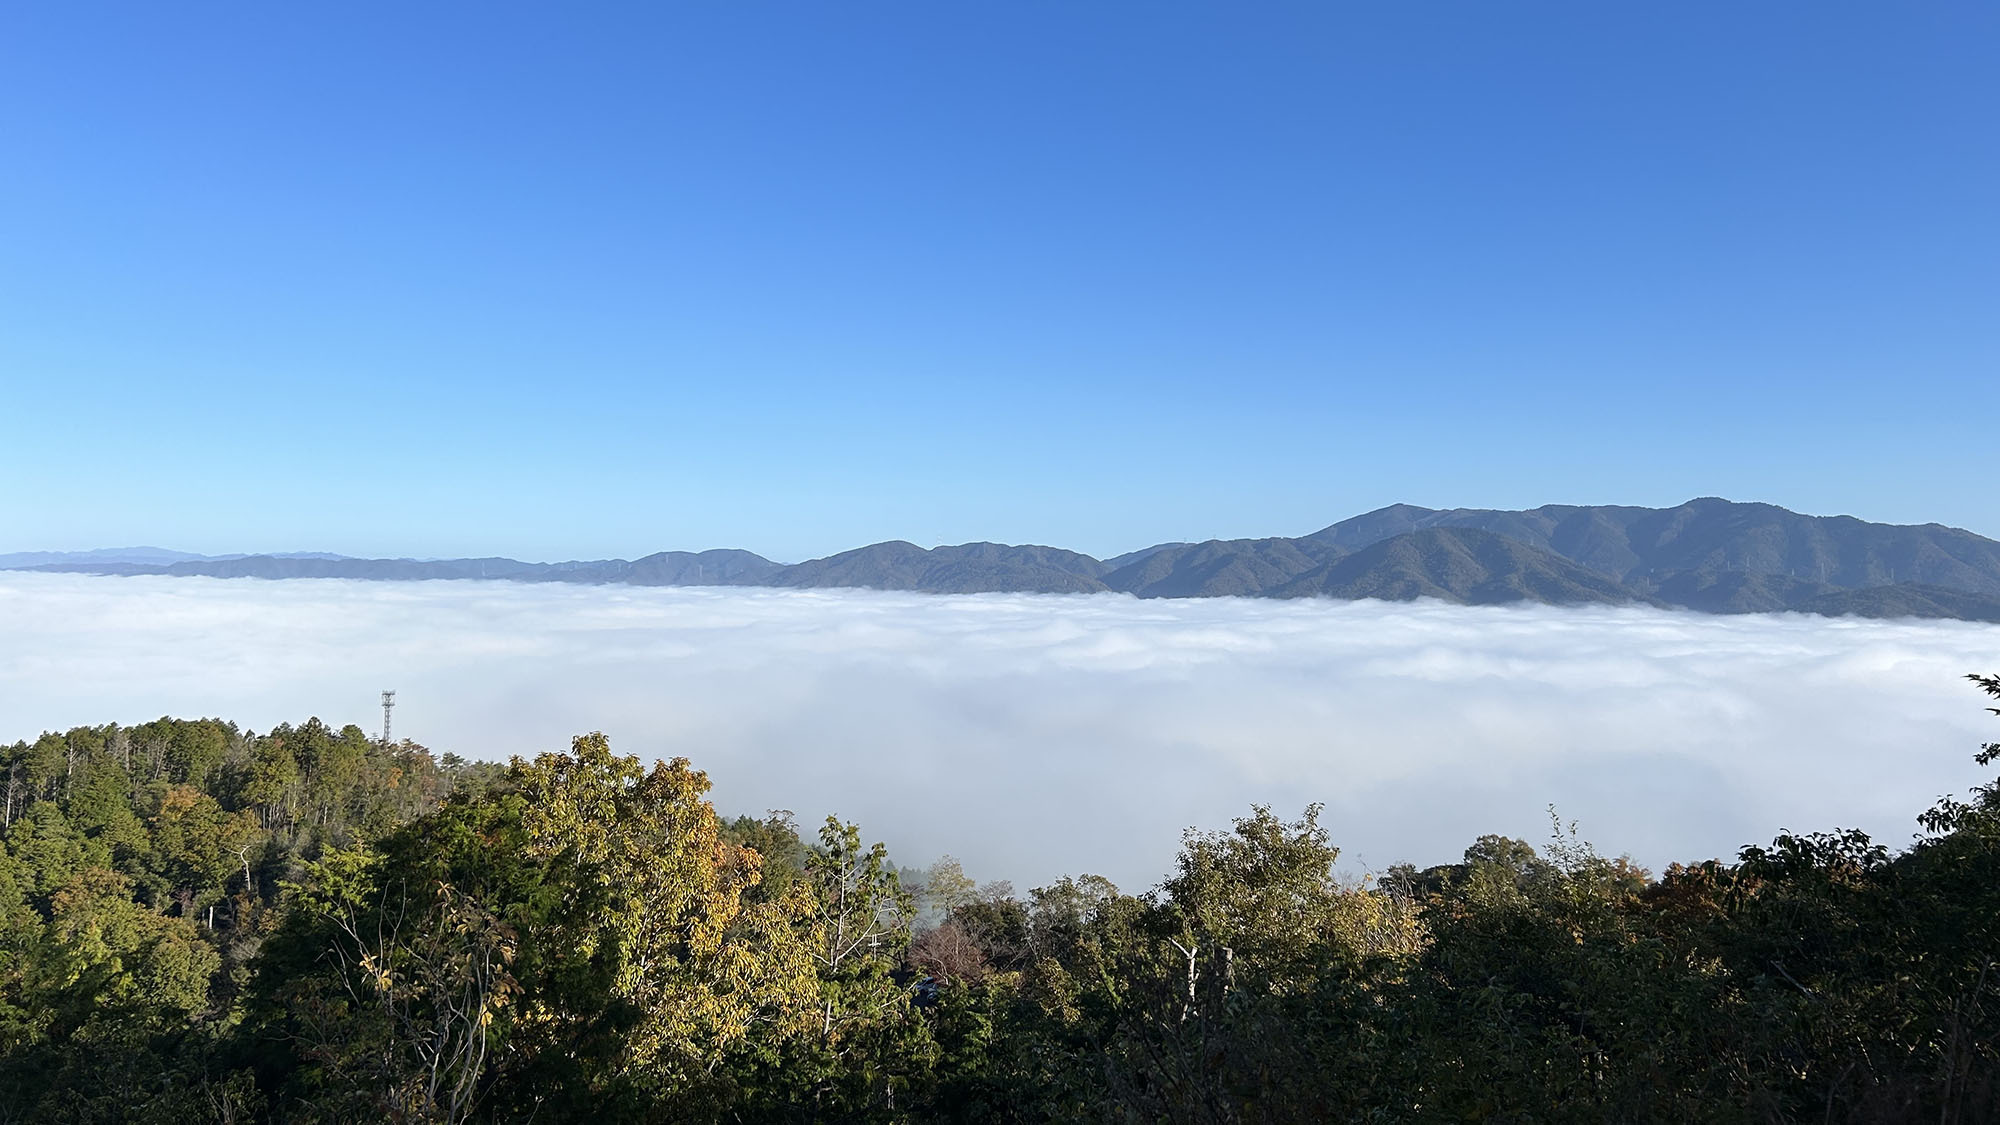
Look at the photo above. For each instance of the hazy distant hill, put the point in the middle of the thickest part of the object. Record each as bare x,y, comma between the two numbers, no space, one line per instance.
1219,567
1710,555
133,556
708,568
336,566
1129,557
966,569
1907,600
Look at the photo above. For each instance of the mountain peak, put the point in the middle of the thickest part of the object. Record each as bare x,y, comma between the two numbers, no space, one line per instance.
1707,554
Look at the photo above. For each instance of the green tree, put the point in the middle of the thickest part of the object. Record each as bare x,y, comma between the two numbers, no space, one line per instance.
587,917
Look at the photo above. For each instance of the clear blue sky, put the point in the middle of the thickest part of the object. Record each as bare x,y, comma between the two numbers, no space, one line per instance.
552,282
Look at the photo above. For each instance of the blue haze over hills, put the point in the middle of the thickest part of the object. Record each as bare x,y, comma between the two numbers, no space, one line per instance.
1708,555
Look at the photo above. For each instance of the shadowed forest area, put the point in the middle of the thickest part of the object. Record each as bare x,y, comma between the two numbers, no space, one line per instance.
198,923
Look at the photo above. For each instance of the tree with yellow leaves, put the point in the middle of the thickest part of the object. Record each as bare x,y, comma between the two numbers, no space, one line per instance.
651,922
578,941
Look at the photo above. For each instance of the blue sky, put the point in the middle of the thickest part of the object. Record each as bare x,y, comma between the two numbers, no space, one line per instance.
466,279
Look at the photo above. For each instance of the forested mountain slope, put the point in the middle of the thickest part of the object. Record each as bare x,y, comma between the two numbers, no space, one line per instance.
1714,536
1218,568
1709,555
1456,565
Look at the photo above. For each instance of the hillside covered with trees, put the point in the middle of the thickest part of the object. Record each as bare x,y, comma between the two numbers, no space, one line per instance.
1708,555
199,923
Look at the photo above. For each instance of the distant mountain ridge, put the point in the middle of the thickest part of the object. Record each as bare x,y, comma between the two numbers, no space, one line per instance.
139,556
1708,555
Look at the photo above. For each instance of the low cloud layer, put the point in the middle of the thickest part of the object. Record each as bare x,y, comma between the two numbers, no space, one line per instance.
1034,735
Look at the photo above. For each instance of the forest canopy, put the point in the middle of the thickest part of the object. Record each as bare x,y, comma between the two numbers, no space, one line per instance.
198,922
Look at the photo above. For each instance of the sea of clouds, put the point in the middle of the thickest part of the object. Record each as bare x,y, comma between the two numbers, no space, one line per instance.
1035,735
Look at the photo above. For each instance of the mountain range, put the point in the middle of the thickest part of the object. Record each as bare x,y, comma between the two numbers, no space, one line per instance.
1709,555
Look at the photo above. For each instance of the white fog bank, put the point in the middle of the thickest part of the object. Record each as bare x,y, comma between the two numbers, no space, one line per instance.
1037,735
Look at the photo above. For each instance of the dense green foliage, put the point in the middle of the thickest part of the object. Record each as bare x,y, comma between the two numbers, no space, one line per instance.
201,924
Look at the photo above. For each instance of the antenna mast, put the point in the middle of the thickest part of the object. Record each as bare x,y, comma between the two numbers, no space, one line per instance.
388,705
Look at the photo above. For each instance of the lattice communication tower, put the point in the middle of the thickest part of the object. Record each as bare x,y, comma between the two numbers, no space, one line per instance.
388,705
